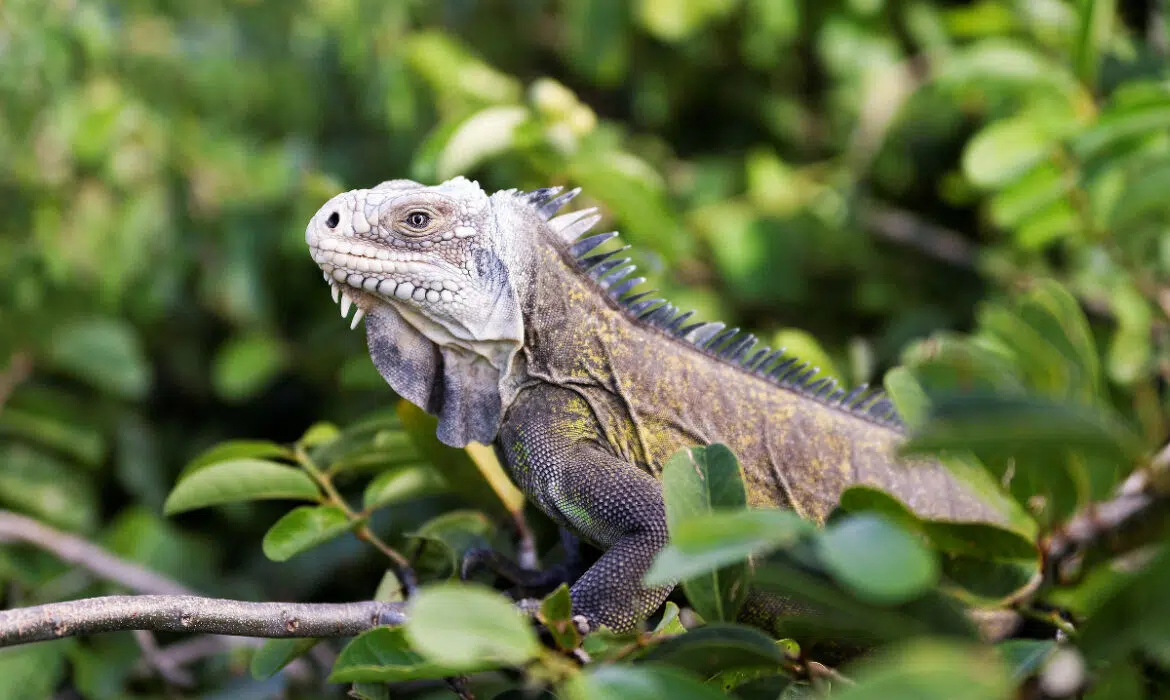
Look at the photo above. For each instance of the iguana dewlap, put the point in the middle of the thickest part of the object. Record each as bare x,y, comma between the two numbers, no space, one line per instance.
503,321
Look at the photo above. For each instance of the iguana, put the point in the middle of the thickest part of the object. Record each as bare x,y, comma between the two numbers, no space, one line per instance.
502,319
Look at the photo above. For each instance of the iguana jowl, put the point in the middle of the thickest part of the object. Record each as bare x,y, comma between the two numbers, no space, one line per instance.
503,321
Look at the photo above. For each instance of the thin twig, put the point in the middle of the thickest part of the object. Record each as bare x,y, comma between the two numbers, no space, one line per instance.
76,551
361,529
185,613
164,666
907,229
526,546
1156,30
817,670
1133,518
19,368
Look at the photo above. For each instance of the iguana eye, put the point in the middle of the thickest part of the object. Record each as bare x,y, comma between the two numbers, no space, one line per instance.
418,220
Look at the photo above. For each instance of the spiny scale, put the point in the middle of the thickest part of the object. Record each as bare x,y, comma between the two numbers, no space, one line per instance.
728,345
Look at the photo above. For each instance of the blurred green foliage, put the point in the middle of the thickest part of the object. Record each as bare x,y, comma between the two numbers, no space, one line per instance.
898,179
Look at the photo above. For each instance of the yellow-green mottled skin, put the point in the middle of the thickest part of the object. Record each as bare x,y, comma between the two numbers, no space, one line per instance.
609,399
478,311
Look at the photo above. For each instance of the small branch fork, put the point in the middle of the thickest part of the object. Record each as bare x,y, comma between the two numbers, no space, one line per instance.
188,613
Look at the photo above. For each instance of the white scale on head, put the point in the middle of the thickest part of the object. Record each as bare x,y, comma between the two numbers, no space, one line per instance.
343,261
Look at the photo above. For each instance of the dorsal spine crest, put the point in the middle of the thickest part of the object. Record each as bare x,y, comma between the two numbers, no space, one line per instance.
611,274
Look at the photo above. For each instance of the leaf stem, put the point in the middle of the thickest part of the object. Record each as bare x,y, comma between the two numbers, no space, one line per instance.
358,519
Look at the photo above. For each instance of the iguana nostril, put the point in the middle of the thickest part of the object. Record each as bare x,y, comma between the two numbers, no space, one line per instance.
333,220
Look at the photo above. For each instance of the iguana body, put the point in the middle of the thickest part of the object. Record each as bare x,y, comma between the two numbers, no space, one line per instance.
526,338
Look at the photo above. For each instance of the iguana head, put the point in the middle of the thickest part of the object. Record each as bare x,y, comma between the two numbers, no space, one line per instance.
438,273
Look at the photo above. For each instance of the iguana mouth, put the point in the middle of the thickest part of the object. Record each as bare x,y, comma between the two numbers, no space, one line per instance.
357,271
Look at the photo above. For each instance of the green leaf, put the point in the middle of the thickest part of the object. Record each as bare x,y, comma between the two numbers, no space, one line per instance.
1144,195
713,649
699,481
879,561
1029,194
389,588
104,352
483,135
642,682
44,486
1093,35
908,396
1056,452
556,614
438,545
949,363
275,654
401,484
999,61
473,473
987,562
1005,150
1123,123
675,20
32,671
302,529
978,539
1131,348
1036,353
928,669
799,343
239,480
670,622
1023,425
236,449
383,655
319,433
82,443
247,365
466,625
1066,327
870,499
1135,616
707,542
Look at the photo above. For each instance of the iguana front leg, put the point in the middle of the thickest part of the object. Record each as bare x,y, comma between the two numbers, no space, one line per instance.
557,455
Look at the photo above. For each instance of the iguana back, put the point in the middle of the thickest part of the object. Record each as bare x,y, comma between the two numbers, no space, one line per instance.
507,324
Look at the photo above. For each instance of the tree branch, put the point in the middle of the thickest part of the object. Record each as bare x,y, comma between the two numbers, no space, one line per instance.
187,613
74,550
1135,517
907,229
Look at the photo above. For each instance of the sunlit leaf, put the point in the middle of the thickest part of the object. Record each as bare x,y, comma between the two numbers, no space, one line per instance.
464,625
400,484
275,654
302,529
928,670
236,449
707,542
698,481
383,655
239,480
879,561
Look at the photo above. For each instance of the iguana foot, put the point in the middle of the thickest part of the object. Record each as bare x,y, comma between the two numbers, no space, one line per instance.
528,579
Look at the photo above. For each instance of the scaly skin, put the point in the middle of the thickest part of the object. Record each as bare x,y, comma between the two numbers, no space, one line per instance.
584,402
